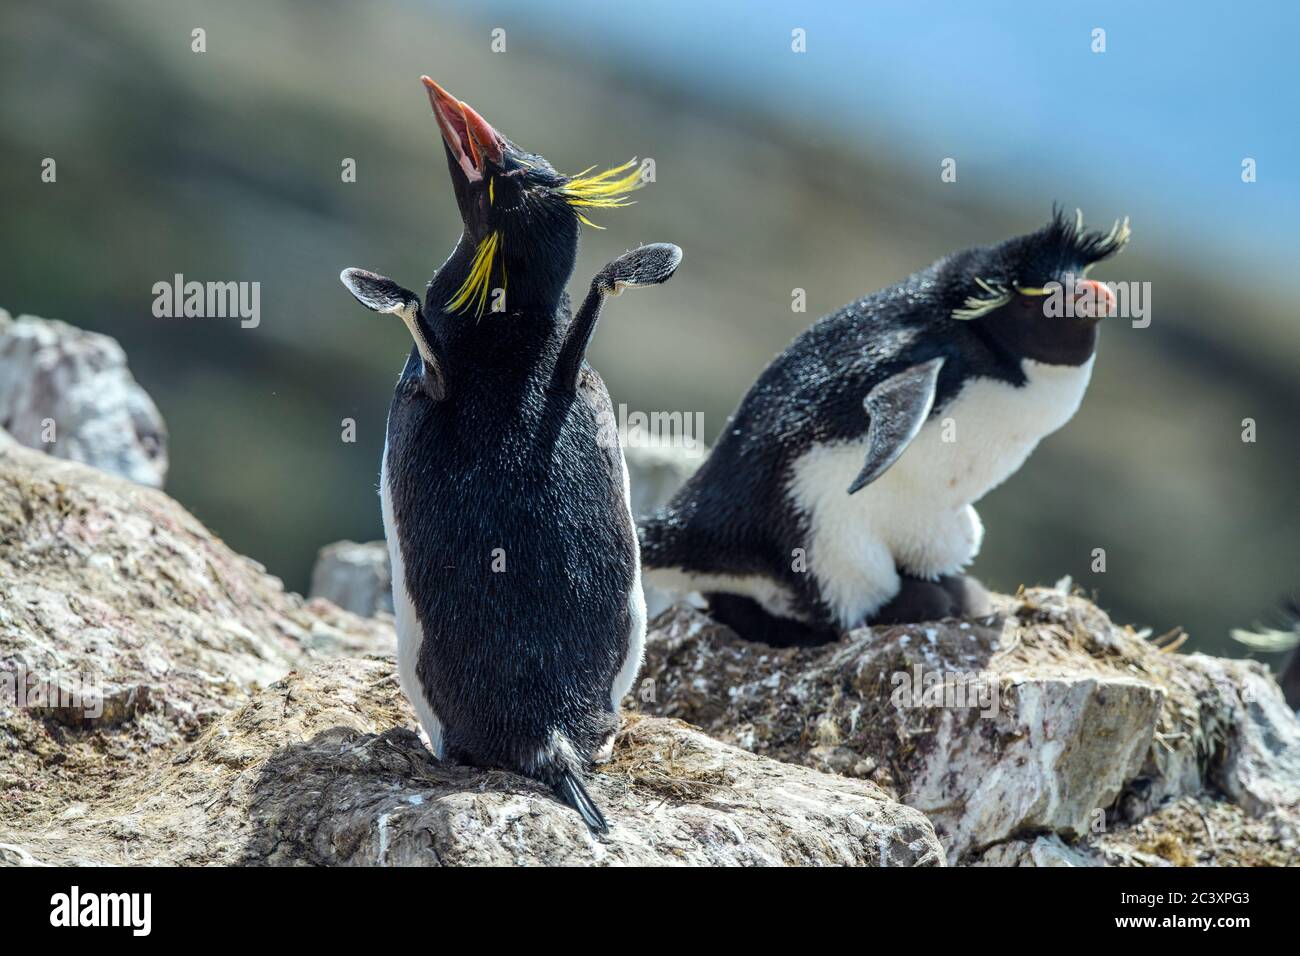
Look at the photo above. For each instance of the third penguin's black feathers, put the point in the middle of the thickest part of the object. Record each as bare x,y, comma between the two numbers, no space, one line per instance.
808,518
516,576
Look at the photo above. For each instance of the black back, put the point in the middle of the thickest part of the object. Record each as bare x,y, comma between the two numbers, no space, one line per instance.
504,462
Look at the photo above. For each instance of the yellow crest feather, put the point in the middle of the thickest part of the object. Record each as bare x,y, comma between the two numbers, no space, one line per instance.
605,190
474,290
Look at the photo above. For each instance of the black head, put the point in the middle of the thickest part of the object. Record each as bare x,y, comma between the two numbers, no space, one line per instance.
1030,294
521,217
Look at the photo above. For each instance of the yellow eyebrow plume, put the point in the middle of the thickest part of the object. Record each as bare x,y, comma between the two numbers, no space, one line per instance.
974,306
606,190
475,287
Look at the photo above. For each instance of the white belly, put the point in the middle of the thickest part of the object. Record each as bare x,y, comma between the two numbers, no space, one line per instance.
409,633
636,611
917,516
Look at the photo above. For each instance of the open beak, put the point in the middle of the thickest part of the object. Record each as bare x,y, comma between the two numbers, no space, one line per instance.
469,137
1093,300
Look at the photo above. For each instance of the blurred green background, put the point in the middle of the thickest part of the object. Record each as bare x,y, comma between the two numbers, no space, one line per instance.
775,171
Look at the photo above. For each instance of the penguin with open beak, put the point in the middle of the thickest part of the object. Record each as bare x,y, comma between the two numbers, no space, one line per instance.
840,491
516,577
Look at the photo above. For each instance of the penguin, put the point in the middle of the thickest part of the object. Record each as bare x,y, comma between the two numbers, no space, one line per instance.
504,493
840,491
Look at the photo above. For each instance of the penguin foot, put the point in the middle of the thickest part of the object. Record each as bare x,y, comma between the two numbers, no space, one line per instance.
953,595
971,597
750,621
606,752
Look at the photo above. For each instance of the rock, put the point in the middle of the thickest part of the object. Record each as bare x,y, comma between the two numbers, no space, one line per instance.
1196,831
1257,765
68,392
163,700
324,767
1035,851
1048,720
16,856
226,732
114,589
354,576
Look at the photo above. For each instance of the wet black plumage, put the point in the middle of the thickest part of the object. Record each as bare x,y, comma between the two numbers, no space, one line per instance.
735,516
514,540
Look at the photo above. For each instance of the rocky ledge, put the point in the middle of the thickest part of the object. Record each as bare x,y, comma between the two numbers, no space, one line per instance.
69,393
228,721
164,700
1043,735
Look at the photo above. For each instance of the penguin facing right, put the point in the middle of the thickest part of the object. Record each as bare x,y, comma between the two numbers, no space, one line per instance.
839,492
516,578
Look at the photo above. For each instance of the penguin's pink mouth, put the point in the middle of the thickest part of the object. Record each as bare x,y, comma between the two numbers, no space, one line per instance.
470,138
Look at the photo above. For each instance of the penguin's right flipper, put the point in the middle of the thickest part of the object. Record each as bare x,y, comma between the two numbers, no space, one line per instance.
649,265
381,294
897,407
571,791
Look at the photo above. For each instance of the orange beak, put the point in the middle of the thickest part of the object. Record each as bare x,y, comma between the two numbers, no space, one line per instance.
1093,300
469,137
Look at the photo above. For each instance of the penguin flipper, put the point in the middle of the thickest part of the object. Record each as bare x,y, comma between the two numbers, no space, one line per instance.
651,264
648,265
381,294
569,789
897,407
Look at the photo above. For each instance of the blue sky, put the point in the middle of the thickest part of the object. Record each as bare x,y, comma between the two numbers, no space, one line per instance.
1157,126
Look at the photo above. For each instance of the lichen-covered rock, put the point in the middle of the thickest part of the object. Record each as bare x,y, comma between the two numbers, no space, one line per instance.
68,392
1046,721
1035,851
115,601
354,576
324,767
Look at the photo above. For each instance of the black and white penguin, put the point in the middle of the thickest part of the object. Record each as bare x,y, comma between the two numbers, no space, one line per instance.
840,491
516,579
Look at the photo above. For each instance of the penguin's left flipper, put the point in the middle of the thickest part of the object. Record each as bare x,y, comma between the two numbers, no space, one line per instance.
897,407
649,265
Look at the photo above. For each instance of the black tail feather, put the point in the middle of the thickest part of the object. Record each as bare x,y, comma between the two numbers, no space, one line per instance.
571,791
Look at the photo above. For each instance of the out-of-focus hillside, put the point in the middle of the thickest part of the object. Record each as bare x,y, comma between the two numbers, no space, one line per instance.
225,165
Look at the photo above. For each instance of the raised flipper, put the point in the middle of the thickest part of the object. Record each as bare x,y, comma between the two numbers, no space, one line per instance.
648,265
381,294
897,407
